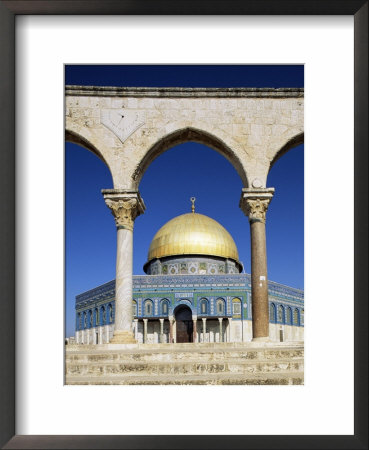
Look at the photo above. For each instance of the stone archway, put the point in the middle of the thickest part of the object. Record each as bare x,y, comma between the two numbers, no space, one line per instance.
184,324
129,127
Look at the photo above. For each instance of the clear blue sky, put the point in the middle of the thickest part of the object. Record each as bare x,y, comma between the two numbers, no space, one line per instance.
184,171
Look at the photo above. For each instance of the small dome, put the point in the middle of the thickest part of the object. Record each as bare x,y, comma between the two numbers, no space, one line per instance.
193,234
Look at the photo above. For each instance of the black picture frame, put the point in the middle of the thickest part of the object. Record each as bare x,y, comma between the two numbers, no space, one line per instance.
8,12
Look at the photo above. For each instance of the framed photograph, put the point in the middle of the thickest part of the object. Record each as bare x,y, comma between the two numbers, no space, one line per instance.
40,410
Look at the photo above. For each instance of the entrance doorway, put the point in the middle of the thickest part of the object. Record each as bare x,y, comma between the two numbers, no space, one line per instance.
184,325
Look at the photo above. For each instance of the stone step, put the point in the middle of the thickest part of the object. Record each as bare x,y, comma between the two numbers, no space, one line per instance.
194,367
214,346
280,378
179,355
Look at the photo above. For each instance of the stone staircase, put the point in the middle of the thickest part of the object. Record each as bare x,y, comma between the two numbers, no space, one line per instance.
205,363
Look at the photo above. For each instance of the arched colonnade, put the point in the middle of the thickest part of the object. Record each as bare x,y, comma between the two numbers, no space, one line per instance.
129,127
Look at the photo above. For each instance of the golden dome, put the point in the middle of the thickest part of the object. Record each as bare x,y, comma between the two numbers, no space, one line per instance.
192,234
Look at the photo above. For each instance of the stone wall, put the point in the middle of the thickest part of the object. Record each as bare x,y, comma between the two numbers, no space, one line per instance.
129,127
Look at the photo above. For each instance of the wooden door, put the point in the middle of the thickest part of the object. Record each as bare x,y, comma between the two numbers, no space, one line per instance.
184,326
184,330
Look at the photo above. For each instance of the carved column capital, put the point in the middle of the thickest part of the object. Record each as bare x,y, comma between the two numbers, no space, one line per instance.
254,203
125,206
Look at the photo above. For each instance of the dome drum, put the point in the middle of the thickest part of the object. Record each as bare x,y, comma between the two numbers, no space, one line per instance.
192,265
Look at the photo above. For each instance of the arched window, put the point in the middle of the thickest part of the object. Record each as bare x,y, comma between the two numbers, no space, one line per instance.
164,307
110,312
90,324
289,316
84,320
296,316
97,318
302,317
236,306
134,308
220,306
203,306
148,308
272,313
103,314
280,314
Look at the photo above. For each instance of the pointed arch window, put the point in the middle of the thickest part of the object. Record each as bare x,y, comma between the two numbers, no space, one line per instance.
110,313
203,306
296,316
236,306
280,314
164,307
289,316
148,308
134,308
220,306
272,313
103,315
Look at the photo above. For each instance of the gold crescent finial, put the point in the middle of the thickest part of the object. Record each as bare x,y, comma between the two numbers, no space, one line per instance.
193,203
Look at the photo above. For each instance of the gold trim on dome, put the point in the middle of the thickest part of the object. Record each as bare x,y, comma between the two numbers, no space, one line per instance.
192,234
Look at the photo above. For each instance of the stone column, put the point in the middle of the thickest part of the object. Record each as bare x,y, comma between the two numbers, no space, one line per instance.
220,329
230,329
171,330
204,329
194,320
161,330
136,329
254,203
145,331
125,206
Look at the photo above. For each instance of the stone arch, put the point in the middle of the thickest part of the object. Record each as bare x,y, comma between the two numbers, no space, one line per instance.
75,138
184,302
92,143
189,134
183,307
294,141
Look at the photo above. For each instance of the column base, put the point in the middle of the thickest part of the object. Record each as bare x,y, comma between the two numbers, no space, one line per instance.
123,337
261,339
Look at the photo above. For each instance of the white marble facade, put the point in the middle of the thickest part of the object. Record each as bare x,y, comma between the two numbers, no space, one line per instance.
232,331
